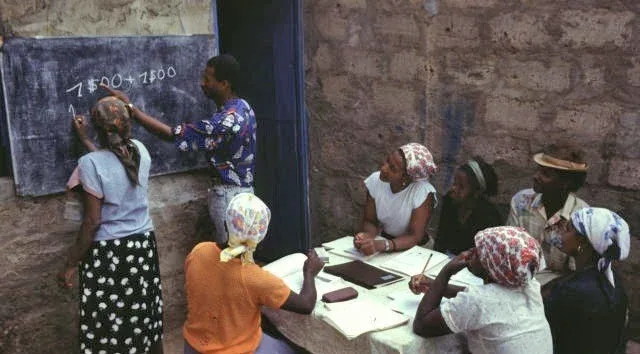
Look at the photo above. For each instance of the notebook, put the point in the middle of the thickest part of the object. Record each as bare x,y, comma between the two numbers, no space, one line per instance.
355,317
363,274
413,260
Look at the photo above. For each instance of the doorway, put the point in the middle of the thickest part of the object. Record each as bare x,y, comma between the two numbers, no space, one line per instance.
266,38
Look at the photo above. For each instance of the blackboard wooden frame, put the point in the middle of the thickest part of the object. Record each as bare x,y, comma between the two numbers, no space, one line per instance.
45,79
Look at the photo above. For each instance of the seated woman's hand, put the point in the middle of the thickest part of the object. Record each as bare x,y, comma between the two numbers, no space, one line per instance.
359,237
313,265
366,245
419,284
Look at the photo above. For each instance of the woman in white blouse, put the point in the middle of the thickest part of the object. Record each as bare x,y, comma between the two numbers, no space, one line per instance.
399,201
506,314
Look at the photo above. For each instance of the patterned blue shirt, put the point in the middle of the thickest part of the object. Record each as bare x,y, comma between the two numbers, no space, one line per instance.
229,138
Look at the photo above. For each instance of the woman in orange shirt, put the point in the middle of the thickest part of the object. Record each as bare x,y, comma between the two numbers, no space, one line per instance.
225,289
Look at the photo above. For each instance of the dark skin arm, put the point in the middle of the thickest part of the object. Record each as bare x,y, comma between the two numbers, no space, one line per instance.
90,224
305,302
420,284
417,225
428,321
369,223
80,124
153,125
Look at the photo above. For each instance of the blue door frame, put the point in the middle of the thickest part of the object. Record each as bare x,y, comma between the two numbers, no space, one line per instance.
267,39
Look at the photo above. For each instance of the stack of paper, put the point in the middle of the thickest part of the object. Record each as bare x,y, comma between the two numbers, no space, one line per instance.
413,260
355,317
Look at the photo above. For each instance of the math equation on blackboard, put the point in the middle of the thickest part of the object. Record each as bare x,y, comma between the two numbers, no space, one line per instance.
122,82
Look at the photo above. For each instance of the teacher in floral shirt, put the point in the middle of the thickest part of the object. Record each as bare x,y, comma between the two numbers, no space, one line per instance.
228,136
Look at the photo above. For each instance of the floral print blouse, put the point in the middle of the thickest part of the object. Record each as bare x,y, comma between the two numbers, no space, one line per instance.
228,138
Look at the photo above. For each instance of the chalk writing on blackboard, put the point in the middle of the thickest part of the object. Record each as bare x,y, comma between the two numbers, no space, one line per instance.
123,82
153,70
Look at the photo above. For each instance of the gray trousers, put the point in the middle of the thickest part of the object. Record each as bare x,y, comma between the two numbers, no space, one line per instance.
219,197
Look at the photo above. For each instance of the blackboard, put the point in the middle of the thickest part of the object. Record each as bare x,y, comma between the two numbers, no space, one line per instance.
46,80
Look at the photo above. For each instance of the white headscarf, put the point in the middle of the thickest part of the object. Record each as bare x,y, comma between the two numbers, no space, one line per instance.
247,221
603,228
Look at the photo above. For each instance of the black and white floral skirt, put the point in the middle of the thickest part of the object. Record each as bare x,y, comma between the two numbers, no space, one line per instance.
120,296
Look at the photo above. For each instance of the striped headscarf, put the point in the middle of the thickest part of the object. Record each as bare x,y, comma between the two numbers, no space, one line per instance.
509,254
247,221
607,232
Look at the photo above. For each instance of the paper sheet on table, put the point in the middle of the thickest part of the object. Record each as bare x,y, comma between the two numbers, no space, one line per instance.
406,302
412,261
355,317
466,278
289,269
344,247
462,278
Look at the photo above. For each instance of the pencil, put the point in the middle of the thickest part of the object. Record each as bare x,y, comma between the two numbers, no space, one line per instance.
426,264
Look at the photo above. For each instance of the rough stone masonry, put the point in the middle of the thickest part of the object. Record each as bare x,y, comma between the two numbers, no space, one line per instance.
499,79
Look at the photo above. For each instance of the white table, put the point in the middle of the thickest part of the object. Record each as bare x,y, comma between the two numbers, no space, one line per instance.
318,337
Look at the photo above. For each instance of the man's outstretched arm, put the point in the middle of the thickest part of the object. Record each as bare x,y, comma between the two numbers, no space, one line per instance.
150,123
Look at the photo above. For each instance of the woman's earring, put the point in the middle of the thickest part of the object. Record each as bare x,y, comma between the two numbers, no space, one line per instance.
580,249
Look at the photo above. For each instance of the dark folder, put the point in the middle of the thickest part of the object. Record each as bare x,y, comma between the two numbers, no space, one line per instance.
363,274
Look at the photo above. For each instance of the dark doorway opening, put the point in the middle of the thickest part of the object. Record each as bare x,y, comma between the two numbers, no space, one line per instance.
266,38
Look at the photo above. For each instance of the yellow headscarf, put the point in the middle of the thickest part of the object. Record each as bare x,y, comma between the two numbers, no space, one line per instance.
247,219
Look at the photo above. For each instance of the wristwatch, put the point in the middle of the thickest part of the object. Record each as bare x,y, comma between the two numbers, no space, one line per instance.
386,245
129,105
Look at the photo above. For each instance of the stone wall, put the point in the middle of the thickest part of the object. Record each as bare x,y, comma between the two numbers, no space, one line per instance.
35,233
499,79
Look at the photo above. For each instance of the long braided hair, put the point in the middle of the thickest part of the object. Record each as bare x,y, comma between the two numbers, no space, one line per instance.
113,125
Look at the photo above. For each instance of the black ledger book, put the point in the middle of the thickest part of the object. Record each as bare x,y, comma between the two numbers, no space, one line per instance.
363,274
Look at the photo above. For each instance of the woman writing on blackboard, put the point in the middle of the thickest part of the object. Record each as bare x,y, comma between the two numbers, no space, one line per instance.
115,252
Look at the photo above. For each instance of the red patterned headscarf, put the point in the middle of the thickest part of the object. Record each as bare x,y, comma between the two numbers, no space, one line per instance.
509,254
419,161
